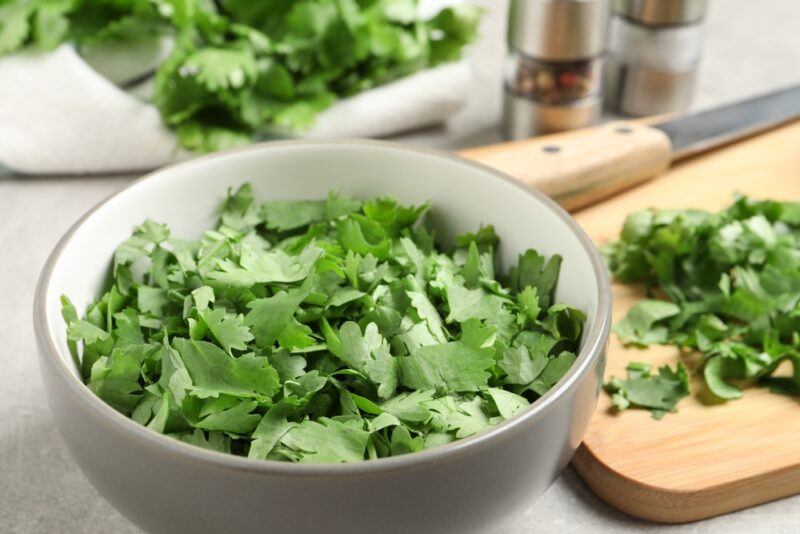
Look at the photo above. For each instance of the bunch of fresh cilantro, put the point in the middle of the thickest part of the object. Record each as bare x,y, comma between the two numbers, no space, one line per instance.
243,67
728,287
322,331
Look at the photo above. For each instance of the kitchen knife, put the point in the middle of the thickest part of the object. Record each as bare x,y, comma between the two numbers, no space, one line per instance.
581,167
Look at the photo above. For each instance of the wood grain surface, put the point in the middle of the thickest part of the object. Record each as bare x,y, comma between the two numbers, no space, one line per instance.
711,457
580,168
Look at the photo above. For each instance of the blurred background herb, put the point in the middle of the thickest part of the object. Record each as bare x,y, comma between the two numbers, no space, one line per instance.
237,68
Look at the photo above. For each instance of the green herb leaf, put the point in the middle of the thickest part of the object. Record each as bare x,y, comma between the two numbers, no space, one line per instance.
269,317
229,330
638,327
314,331
214,372
449,367
732,280
327,441
534,272
659,393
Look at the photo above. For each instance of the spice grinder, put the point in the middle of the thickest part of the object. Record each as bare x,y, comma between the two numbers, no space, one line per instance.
654,50
553,78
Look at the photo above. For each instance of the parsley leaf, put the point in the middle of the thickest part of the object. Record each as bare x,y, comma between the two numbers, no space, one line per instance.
369,353
449,367
532,271
659,393
214,372
264,268
269,317
638,326
520,367
326,441
290,215
229,330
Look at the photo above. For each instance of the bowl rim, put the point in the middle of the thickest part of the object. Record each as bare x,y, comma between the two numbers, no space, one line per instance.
596,337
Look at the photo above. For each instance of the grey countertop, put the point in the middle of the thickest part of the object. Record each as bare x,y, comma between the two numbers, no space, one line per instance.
751,47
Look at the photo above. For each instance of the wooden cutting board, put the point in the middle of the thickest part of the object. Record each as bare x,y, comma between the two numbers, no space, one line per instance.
709,458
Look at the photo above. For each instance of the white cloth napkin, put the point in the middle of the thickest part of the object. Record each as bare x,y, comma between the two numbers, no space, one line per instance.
58,115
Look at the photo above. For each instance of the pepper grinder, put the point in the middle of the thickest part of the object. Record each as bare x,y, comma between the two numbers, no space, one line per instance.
654,50
554,68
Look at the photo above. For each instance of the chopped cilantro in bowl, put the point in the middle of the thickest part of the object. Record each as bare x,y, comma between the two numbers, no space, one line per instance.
322,331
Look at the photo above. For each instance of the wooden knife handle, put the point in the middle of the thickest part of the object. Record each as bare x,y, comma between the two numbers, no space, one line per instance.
582,167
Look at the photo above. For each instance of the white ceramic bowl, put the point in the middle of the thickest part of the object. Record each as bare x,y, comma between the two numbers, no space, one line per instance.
474,484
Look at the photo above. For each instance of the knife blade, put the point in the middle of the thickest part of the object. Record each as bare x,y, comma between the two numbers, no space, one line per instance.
705,130
582,167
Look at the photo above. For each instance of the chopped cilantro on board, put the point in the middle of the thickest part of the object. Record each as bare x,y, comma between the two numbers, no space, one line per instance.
243,67
728,287
321,331
658,393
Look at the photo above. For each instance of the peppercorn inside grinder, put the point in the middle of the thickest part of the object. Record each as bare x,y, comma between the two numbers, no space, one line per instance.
553,79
